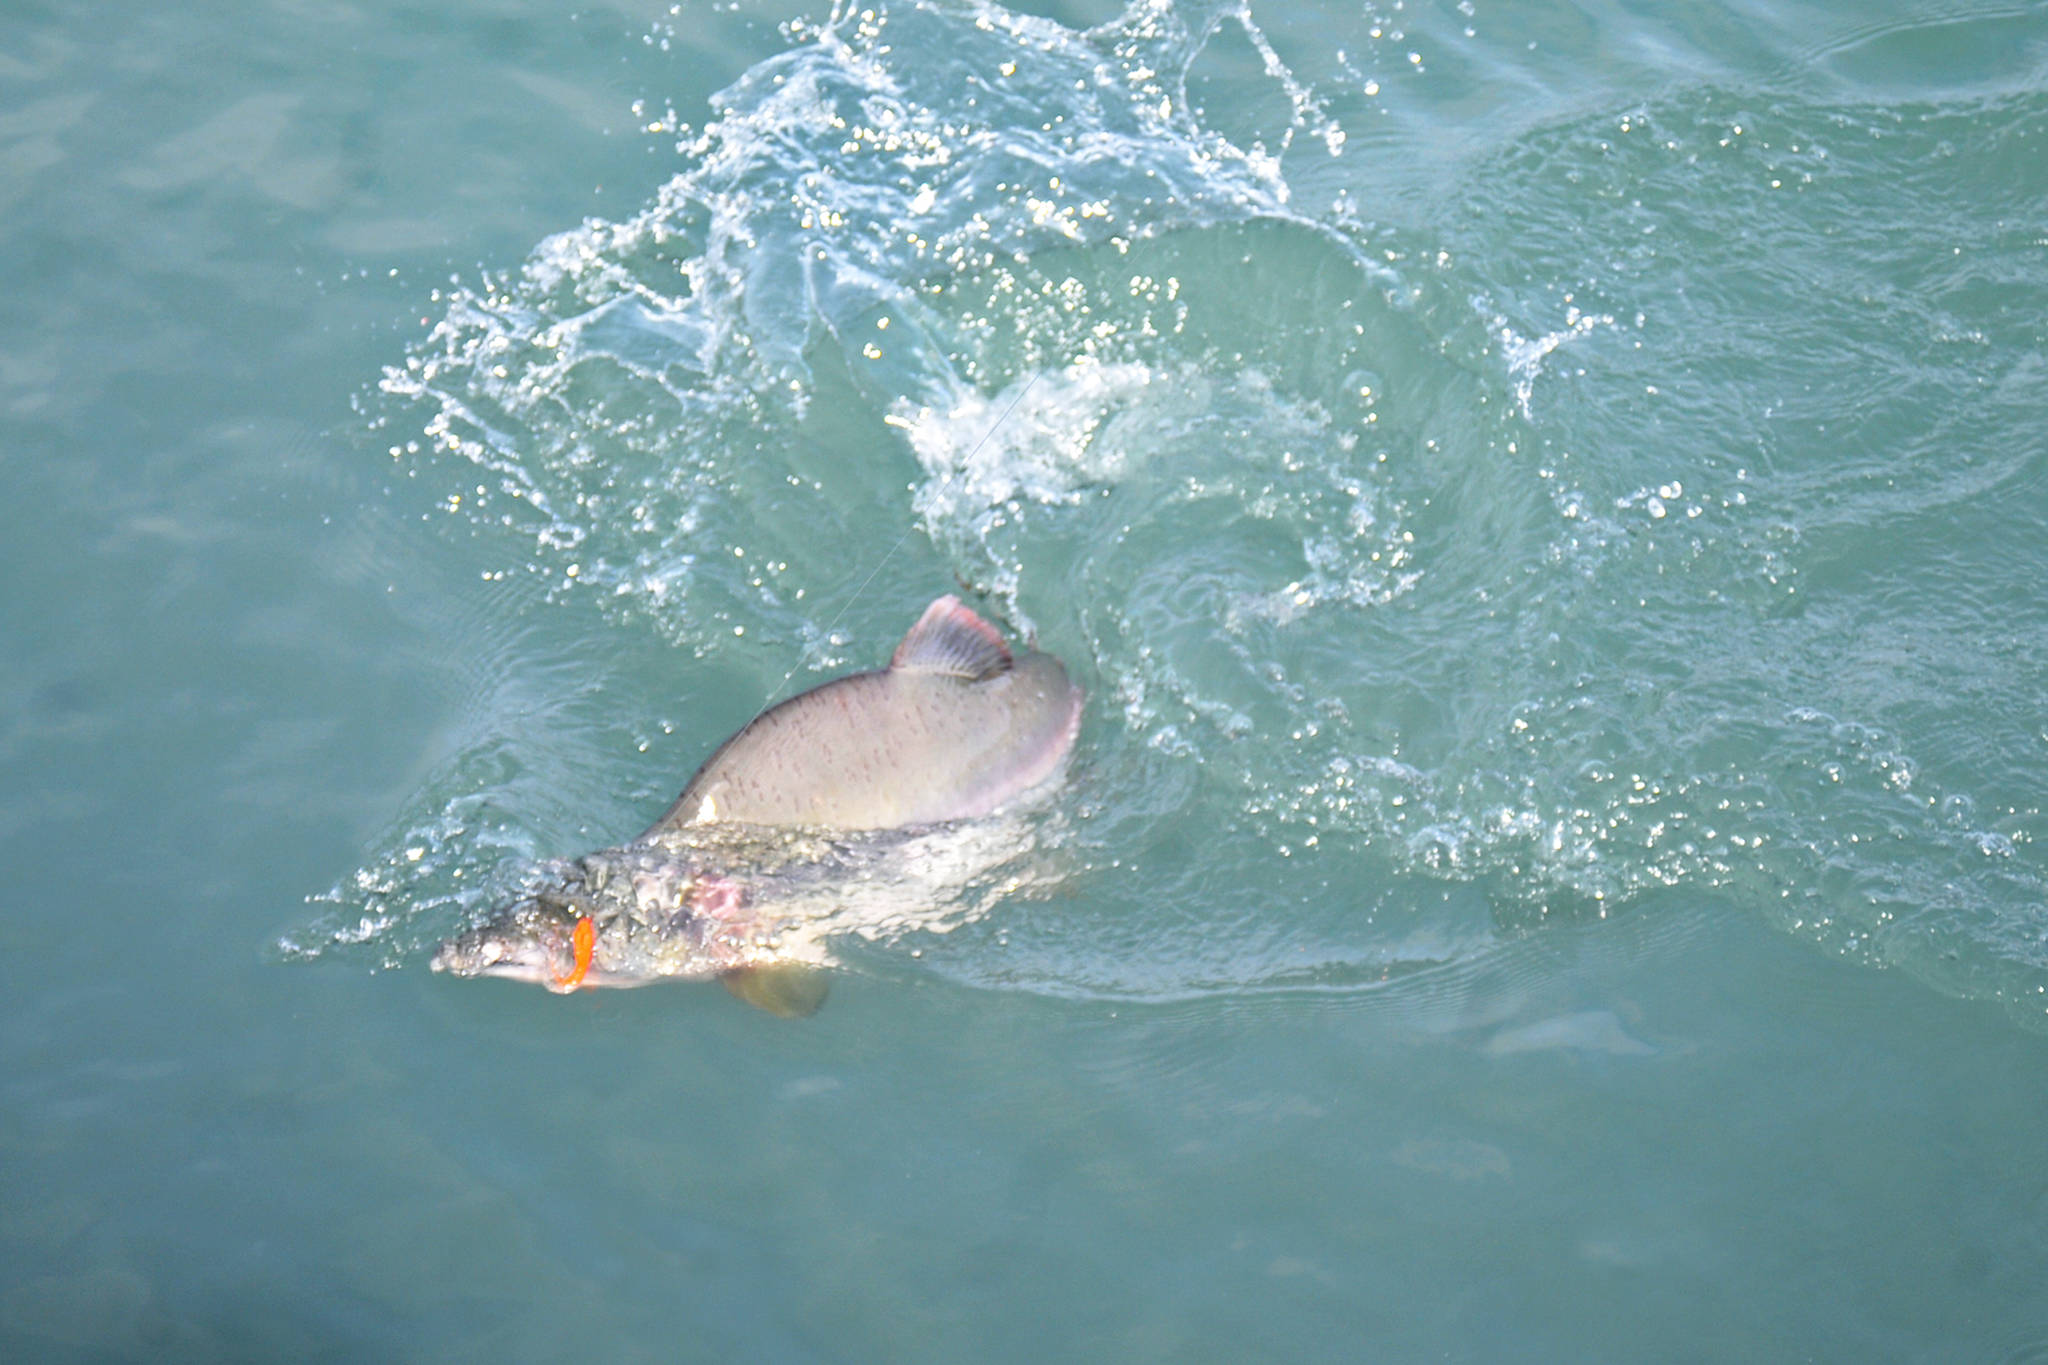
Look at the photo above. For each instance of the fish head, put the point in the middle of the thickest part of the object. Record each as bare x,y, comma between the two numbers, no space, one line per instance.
530,940
640,924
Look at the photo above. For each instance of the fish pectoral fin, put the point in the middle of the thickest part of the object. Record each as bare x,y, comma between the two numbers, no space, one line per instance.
950,639
786,990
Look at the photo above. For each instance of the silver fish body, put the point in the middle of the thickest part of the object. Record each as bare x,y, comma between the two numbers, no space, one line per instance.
685,904
871,797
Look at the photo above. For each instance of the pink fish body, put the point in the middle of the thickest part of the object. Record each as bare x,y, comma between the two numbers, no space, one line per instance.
955,727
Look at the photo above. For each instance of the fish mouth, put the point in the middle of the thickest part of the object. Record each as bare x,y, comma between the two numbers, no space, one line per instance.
456,959
530,941
484,952
536,974
561,938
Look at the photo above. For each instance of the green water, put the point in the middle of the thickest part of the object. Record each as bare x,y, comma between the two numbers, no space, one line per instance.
1550,506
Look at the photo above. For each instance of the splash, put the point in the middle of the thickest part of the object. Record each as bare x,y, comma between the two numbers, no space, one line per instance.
1429,662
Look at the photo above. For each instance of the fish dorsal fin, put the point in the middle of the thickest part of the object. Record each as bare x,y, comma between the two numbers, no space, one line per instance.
950,639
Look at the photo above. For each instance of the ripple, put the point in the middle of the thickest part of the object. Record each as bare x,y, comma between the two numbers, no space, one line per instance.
1628,531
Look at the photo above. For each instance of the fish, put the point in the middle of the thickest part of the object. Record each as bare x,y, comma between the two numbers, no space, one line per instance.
843,807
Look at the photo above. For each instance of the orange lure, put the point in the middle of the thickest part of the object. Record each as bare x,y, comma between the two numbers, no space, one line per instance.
583,940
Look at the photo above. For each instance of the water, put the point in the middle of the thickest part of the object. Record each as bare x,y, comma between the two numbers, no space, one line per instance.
1548,504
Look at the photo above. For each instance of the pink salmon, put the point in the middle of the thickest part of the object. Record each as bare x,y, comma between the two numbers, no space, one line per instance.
866,792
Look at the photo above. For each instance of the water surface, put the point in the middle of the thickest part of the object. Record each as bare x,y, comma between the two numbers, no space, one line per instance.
1548,504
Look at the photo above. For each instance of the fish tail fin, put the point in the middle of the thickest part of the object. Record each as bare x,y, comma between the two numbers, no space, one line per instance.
950,639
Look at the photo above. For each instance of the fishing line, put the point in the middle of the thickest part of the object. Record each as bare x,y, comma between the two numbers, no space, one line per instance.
889,554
